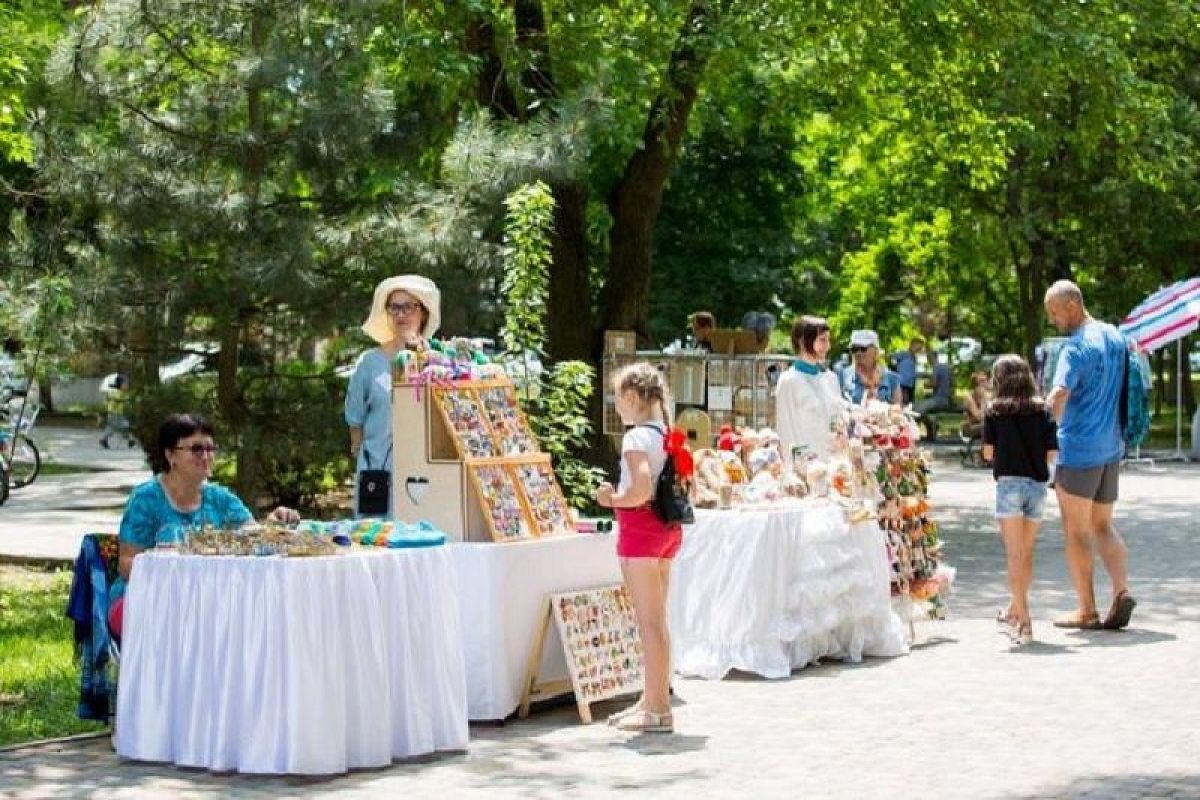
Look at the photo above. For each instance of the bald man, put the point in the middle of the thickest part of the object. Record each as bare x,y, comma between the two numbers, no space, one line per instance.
1085,400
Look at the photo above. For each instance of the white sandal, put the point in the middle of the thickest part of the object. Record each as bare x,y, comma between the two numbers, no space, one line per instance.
643,721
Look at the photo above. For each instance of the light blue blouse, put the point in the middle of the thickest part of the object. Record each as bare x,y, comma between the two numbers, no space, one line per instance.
369,406
149,511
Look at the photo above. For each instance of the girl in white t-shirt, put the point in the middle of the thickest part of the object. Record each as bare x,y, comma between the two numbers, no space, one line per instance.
808,398
645,544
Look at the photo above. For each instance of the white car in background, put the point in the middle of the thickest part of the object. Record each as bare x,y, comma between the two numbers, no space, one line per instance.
193,357
962,349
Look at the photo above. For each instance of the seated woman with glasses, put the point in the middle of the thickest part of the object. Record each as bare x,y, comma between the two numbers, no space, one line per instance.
405,312
177,499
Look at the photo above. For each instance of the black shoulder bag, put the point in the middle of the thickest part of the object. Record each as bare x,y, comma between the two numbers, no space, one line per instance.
670,501
374,488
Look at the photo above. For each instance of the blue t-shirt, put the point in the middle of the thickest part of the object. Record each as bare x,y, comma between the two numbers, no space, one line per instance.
149,511
906,368
1091,365
853,388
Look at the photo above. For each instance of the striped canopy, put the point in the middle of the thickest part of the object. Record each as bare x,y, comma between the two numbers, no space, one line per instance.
1169,314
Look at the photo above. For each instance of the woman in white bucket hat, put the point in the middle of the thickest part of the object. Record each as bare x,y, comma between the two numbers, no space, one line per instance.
867,378
405,312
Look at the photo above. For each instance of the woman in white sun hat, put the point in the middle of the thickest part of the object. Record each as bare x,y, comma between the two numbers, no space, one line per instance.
405,312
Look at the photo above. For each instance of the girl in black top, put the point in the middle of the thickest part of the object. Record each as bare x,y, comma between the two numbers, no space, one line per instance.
1020,439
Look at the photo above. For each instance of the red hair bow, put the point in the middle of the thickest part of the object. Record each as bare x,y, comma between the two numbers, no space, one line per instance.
675,444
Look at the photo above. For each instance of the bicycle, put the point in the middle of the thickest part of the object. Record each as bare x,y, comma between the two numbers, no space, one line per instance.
22,462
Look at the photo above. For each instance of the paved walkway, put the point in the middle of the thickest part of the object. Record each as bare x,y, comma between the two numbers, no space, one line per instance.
1084,714
47,518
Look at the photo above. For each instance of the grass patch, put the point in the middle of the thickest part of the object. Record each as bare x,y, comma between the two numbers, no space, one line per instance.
39,684
51,468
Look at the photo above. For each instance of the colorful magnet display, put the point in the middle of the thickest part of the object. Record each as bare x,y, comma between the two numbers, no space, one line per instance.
600,636
501,502
508,424
546,501
467,420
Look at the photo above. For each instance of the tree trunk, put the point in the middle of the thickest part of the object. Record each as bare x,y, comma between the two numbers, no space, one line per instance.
636,200
570,325
228,392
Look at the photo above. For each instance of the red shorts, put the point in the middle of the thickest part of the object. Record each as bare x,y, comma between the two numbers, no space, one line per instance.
641,534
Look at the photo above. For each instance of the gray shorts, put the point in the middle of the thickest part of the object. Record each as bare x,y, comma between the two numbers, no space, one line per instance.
1098,484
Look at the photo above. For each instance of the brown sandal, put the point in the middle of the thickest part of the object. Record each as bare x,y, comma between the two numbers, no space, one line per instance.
1077,620
1122,609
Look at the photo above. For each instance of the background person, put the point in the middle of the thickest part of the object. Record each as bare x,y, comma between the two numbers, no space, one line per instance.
177,499
905,364
867,378
1087,390
808,398
115,419
976,404
645,544
703,325
941,397
1020,439
405,312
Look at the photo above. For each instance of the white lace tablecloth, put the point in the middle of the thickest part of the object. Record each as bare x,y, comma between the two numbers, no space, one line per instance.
291,665
772,591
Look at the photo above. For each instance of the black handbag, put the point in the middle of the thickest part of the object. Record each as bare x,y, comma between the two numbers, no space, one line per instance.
374,488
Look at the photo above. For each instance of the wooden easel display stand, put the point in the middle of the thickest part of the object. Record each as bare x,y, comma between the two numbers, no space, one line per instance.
599,636
466,459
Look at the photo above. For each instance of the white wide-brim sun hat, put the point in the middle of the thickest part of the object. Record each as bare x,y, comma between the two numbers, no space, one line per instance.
379,324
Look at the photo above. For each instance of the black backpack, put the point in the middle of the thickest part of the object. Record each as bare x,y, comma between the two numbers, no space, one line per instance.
670,501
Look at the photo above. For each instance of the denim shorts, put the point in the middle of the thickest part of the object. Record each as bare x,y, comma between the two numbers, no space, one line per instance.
1019,497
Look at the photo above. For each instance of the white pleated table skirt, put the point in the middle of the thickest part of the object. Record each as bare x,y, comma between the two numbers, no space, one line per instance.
306,666
771,591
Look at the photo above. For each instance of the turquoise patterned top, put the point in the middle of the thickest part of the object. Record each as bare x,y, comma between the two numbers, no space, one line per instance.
149,512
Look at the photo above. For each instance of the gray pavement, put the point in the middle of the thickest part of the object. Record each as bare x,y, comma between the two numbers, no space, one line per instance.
47,518
1078,714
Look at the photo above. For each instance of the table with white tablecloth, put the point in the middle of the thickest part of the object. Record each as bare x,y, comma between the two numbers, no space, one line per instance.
291,665
502,594
770,591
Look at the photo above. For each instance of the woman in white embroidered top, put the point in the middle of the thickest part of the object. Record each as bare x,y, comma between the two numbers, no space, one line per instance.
808,397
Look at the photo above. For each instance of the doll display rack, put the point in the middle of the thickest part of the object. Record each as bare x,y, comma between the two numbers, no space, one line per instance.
466,459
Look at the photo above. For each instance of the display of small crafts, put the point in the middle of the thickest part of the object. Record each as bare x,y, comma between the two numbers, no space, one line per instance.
501,502
256,540
459,359
546,501
600,638
467,419
914,548
508,424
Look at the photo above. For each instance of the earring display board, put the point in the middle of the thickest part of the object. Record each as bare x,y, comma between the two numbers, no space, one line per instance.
599,637
508,481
